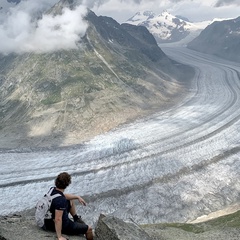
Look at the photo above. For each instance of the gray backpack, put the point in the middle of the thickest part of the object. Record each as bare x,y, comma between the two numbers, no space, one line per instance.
43,208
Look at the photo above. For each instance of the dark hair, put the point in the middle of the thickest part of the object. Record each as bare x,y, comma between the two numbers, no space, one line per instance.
63,180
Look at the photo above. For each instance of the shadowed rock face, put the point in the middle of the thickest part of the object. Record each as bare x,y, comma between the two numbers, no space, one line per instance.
221,39
128,36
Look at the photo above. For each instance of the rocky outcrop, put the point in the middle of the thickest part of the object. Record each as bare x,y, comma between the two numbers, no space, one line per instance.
20,227
222,225
112,228
23,227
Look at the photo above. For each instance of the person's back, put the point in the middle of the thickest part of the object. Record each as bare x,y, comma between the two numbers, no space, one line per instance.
61,207
59,203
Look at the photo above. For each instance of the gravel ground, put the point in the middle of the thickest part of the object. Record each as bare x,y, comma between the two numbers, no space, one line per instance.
22,227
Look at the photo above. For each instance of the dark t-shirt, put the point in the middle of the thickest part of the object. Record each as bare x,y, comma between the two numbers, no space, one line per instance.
68,226
60,203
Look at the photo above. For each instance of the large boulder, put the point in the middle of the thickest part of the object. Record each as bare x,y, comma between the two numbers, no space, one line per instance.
112,228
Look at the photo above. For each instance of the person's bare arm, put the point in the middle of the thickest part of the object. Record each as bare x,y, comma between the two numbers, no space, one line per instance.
72,197
58,224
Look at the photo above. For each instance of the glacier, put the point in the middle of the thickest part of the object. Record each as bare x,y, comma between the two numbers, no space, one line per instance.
175,165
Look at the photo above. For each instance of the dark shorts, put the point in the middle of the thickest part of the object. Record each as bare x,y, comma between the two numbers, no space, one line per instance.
72,228
75,228
69,228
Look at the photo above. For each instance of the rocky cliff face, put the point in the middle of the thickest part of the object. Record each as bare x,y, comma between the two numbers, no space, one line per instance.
221,39
116,74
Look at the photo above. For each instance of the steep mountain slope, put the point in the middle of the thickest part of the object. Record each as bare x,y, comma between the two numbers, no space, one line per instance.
164,27
65,97
221,39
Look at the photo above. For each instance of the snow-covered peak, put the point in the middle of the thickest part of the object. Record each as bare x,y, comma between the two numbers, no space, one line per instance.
165,27
168,20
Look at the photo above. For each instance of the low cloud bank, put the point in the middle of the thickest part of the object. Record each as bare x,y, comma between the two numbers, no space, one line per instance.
227,2
21,31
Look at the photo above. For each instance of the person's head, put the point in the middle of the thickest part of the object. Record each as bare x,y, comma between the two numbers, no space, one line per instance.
63,180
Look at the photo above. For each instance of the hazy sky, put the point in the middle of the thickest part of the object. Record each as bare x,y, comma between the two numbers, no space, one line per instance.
122,10
20,31
194,10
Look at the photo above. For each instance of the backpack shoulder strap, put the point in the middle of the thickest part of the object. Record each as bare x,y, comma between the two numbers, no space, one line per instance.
50,191
56,195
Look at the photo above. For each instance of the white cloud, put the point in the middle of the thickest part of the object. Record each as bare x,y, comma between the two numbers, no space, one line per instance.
59,32
19,33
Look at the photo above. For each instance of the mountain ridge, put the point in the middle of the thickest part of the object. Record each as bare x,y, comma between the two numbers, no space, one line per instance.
221,38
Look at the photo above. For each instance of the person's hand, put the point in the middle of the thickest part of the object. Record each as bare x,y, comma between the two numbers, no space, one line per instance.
82,201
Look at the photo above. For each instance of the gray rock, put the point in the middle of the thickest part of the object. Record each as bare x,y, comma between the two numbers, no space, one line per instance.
112,228
23,227
19,227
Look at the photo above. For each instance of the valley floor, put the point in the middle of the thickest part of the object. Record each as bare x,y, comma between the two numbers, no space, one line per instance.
172,166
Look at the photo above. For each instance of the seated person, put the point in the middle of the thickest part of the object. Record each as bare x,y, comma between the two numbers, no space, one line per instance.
61,207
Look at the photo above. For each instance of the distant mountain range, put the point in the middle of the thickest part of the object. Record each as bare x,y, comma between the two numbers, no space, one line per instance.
117,73
218,37
221,38
166,27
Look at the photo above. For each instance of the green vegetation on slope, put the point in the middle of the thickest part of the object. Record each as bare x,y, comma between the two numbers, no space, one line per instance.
227,221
